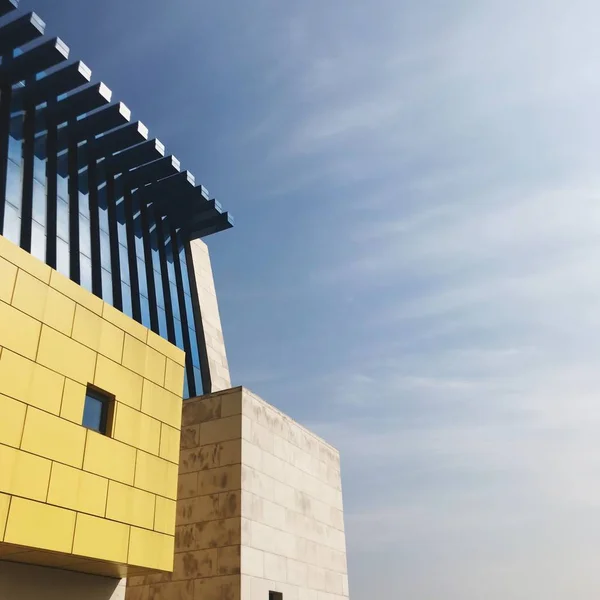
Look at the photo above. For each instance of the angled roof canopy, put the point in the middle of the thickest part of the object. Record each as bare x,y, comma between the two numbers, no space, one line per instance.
102,130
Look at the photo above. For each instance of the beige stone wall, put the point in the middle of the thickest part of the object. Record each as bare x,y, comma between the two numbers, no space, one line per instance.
208,529
293,537
25,582
216,359
259,508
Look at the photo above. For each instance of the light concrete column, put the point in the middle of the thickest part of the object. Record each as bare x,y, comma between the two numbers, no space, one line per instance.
216,368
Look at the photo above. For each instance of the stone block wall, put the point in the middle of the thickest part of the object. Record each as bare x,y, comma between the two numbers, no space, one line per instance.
208,531
293,538
259,508
208,525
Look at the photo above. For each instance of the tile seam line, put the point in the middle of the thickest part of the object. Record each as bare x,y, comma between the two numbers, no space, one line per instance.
81,512
101,317
82,469
58,416
87,348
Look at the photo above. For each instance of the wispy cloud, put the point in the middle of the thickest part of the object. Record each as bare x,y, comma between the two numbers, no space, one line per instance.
450,159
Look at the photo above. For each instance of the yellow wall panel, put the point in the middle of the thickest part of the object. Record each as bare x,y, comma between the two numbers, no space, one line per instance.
25,380
53,437
87,327
161,404
12,418
30,295
134,354
23,474
174,375
24,260
58,480
169,443
136,429
16,374
156,475
165,347
124,384
60,312
73,400
99,538
151,549
164,520
155,366
109,458
122,321
39,525
78,490
111,341
43,303
4,504
66,356
20,333
144,360
130,505
45,389
74,291
8,276
94,332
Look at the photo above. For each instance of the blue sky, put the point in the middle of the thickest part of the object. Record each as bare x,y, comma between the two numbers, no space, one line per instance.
415,268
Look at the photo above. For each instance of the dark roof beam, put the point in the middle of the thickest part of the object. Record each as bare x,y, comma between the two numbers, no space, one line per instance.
79,131
134,157
105,119
19,32
194,212
140,154
114,141
144,176
7,6
169,187
79,103
183,207
34,61
59,82
209,226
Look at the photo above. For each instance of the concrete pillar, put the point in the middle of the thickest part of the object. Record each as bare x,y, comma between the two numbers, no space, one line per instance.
215,368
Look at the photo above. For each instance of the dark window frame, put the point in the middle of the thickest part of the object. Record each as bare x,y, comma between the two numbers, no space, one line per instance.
275,595
108,403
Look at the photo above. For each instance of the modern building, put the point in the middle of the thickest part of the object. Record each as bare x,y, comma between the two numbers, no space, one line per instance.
129,466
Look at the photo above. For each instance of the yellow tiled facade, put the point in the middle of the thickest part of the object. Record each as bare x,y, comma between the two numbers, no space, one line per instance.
69,496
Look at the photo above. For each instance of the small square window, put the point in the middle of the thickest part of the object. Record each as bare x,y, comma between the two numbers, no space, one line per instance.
275,596
97,410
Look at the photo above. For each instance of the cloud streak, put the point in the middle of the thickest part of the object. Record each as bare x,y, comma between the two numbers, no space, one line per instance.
459,167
